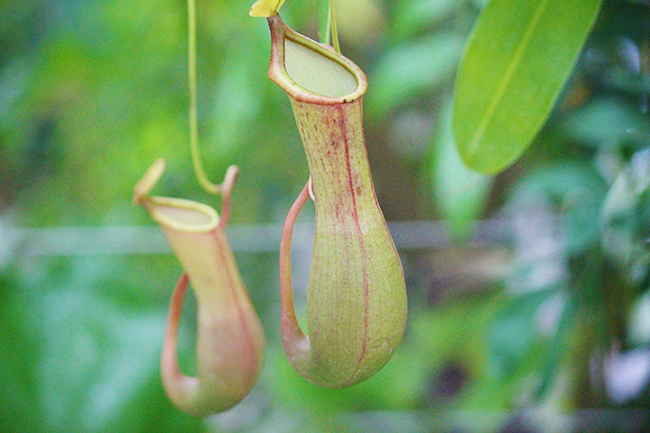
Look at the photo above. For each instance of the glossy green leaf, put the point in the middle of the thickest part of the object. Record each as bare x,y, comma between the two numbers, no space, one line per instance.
515,65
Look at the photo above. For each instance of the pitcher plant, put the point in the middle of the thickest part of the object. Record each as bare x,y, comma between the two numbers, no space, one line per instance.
230,339
356,306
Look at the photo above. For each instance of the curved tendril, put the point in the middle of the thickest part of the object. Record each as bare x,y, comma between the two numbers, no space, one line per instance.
295,342
310,188
226,190
170,370
199,170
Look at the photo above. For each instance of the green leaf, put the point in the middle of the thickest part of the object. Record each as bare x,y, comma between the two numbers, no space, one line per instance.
266,8
460,193
608,121
409,69
625,219
99,364
518,58
570,189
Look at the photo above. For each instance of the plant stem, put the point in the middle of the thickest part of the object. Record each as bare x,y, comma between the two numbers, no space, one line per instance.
324,22
193,116
333,28
327,30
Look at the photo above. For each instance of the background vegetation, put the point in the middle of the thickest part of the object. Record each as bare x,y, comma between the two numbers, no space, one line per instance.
528,290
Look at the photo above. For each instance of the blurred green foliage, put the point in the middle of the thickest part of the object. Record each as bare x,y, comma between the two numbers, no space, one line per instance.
91,92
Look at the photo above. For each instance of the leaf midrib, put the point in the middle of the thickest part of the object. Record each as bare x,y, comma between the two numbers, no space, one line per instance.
516,60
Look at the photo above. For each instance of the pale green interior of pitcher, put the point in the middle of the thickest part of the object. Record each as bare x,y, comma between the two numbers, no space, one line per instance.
183,215
316,72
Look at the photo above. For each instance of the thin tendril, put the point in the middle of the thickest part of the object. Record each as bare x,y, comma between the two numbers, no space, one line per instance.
324,22
333,28
295,342
226,191
194,130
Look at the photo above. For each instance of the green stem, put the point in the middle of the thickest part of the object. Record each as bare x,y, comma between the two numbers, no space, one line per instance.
194,130
324,22
327,30
333,28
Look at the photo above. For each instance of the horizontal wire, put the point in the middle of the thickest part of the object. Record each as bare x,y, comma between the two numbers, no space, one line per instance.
250,238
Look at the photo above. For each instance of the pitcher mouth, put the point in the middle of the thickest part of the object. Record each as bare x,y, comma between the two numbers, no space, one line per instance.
183,215
312,72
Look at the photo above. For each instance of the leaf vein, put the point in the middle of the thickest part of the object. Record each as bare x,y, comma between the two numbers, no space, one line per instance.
515,62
